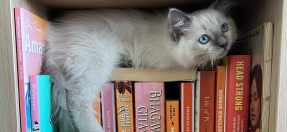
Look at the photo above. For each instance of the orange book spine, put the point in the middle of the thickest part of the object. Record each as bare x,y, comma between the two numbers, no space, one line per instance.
205,98
97,108
172,115
237,93
124,106
187,100
220,98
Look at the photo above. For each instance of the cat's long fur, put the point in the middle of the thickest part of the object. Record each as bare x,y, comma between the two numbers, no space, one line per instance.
83,47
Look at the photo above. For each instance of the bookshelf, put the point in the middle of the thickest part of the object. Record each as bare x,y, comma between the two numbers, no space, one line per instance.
258,11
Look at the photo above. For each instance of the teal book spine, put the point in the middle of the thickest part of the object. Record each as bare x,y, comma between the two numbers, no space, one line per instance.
40,86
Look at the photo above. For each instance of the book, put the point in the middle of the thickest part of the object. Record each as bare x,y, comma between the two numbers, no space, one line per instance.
237,93
108,108
40,103
150,106
259,45
172,115
205,101
125,106
220,98
152,75
97,107
30,34
187,103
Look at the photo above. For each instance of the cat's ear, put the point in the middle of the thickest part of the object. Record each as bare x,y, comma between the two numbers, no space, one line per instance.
178,23
223,6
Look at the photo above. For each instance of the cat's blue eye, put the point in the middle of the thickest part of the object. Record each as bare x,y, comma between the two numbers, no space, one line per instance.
224,27
203,39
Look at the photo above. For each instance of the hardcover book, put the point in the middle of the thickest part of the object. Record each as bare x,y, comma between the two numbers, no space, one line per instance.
220,98
237,93
30,33
187,106
40,103
205,100
150,106
172,115
125,106
108,108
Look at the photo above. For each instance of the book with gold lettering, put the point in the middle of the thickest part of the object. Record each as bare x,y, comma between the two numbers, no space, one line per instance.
124,106
150,106
237,93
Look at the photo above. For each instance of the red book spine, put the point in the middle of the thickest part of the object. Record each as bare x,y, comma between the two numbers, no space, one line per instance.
187,99
237,93
205,100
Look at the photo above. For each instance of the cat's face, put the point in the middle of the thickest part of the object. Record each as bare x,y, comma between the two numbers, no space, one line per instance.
203,36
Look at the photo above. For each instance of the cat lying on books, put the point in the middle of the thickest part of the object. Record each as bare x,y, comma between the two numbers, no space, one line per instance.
83,47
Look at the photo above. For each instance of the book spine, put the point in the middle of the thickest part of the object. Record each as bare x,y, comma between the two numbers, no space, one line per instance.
205,101
25,118
44,92
97,108
237,93
187,106
108,108
35,103
124,106
220,98
150,106
172,116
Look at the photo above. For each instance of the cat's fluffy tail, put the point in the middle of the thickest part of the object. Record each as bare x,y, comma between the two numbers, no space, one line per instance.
60,118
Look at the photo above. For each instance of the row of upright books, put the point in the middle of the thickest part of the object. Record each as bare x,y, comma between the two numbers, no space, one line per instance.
224,100
217,101
34,89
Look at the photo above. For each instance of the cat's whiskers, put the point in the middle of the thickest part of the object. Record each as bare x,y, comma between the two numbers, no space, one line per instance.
206,58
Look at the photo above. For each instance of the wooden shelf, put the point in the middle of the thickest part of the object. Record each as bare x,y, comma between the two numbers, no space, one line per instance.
153,75
84,4
254,12
81,4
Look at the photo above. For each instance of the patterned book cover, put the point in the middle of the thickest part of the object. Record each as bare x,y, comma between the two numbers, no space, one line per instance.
40,103
30,33
97,107
125,106
150,106
108,108
187,100
220,98
205,101
172,115
237,93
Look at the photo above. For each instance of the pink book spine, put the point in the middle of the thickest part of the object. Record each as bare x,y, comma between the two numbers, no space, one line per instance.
150,106
108,108
20,68
35,102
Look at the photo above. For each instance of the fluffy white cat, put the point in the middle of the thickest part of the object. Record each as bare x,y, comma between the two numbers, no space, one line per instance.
83,47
